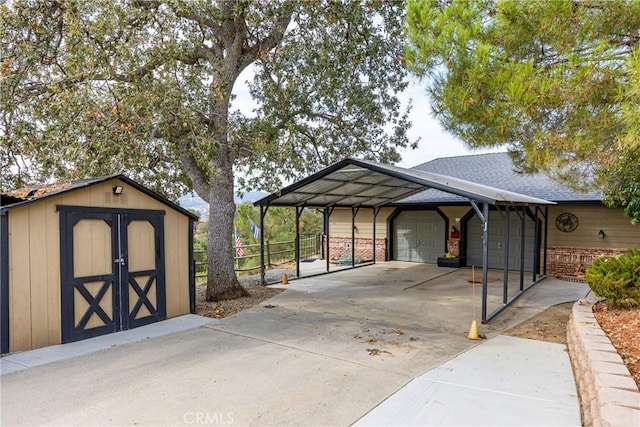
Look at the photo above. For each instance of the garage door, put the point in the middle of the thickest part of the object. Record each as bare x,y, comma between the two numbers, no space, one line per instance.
419,236
496,248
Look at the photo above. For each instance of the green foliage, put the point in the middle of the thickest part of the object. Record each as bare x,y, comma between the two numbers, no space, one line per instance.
624,184
145,88
557,82
617,278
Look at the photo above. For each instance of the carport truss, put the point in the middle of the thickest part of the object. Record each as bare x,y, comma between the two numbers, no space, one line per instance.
356,184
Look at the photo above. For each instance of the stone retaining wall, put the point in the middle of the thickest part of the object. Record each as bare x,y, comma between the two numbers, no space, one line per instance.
608,394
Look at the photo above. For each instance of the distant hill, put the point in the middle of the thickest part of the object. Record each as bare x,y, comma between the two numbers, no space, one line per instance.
193,201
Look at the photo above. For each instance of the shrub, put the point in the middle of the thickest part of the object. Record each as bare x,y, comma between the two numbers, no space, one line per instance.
617,278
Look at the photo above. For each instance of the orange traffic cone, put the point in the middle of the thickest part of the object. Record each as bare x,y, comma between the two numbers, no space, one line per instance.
285,279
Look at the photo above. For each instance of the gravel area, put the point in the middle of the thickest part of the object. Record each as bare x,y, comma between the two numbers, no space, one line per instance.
258,294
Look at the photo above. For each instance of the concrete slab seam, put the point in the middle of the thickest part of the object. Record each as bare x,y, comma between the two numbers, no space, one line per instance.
524,396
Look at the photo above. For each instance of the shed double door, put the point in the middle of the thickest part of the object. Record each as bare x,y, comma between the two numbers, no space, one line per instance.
112,270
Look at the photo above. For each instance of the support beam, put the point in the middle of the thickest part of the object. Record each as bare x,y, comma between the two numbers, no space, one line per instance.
523,225
263,212
354,213
506,240
536,245
485,257
375,215
327,214
297,241
546,231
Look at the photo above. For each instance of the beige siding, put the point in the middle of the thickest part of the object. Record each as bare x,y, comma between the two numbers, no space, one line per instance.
453,212
19,282
340,222
34,260
619,232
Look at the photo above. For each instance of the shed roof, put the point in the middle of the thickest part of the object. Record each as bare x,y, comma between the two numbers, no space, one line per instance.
34,194
363,183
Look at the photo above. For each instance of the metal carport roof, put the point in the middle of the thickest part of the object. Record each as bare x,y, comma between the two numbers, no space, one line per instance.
355,184
363,183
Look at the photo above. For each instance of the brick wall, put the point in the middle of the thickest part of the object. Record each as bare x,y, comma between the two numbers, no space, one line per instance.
569,263
340,247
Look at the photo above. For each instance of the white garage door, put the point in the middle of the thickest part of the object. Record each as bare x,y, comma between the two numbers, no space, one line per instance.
496,248
419,236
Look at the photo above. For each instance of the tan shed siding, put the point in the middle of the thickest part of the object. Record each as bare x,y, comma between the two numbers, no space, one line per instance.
19,281
38,250
619,232
340,222
34,260
177,262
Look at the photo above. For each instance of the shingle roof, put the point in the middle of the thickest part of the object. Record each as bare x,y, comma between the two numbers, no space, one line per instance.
33,194
496,170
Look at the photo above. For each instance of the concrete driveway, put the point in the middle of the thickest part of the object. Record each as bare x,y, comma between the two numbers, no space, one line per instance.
329,350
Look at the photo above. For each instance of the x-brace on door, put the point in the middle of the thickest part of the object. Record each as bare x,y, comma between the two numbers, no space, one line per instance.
112,270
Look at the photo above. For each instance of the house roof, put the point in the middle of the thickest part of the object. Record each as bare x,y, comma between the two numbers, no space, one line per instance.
362,183
496,170
27,195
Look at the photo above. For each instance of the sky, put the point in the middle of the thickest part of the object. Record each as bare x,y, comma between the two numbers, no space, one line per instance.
434,143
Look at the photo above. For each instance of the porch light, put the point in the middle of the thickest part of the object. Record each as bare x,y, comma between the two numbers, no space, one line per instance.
601,234
117,190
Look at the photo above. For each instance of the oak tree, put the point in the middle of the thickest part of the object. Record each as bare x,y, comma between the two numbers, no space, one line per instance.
146,87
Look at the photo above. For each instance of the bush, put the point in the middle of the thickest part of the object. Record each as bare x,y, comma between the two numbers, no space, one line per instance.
617,279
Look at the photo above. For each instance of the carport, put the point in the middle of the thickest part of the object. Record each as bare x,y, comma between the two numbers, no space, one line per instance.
361,184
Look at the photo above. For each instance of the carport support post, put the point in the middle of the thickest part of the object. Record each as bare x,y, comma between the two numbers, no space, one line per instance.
536,247
523,218
327,215
375,214
298,213
485,259
354,213
506,239
484,217
263,212
546,230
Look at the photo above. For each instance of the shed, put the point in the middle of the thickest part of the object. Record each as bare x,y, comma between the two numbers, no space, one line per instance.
91,257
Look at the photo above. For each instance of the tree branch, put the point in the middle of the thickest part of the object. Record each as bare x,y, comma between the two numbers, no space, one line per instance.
194,172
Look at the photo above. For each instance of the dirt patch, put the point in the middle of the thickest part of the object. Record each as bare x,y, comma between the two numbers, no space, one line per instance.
220,309
549,325
622,326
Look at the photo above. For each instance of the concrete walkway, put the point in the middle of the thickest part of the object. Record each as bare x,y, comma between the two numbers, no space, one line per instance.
353,346
506,381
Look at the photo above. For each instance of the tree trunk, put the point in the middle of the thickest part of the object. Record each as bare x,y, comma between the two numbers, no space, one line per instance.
222,283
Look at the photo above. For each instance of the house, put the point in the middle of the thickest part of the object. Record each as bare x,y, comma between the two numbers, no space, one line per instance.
91,257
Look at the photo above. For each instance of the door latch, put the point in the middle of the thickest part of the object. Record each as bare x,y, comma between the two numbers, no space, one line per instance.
120,261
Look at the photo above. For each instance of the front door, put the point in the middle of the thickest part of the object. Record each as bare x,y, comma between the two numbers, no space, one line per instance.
112,270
